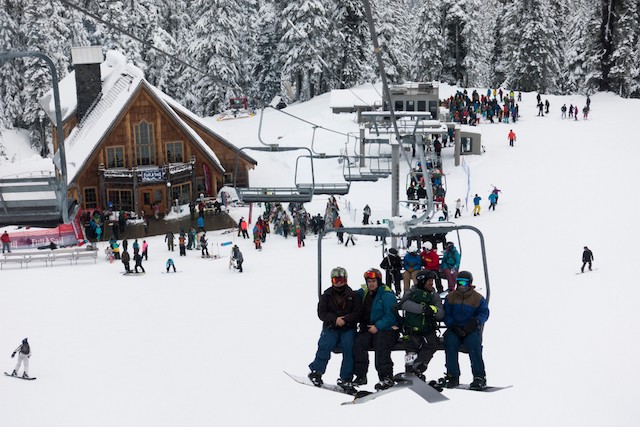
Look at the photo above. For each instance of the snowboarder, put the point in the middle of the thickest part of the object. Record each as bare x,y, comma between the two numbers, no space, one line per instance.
145,250
171,264
423,309
465,311
378,329
182,244
236,256
138,259
24,353
339,309
587,258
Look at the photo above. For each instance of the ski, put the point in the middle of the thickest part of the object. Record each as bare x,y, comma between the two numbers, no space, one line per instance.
326,386
20,377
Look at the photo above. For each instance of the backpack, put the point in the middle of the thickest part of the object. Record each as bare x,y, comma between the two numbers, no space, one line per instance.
25,349
417,323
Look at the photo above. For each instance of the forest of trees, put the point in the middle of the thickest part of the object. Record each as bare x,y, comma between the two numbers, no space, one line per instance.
299,49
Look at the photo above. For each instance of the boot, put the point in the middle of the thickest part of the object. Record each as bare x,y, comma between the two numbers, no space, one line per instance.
384,384
14,373
451,381
479,383
316,378
360,380
24,375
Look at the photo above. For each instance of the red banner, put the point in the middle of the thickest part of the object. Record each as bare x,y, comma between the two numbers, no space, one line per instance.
207,179
31,237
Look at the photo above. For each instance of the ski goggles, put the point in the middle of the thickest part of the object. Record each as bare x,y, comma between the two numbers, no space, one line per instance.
338,279
463,281
370,275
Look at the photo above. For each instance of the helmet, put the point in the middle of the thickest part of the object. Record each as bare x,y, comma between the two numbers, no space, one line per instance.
428,246
393,251
423,276
339,272
466,277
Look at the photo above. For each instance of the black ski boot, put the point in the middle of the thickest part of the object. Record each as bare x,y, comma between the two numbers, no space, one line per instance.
14,374
360,380
347,386
450,381
385,383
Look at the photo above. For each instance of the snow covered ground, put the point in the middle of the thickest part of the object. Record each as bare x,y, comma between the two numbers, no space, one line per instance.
209,346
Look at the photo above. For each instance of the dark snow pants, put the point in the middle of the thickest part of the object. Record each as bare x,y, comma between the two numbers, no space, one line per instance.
382,343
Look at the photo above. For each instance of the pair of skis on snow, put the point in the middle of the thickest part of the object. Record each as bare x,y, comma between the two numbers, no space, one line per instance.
427,391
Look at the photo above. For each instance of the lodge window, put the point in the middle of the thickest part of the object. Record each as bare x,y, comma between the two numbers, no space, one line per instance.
228,178
182,192
398,105
411,106
199,184
115,157
422,105
174,152
90,198
143,134
120,199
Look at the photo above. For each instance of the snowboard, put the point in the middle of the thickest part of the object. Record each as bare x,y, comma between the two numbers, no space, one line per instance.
421,388
364,396
132,273
487,389
170,272
587,271
325,386
20,377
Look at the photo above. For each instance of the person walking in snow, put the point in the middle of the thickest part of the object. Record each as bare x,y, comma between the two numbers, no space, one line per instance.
145,250
587,258
351,239
512,137
169,239
339,309
476,205
366,213
24,353
126,259
6,242
563,111
459,206
203,245
493,199
236,256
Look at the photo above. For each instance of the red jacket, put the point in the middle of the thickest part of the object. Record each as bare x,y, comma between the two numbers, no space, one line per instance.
430,260
5,238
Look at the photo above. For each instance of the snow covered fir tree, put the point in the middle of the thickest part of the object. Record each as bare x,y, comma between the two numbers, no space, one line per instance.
202,53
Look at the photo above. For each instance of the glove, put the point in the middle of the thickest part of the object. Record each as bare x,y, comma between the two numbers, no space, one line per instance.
459,331
13,354
471,326
429,311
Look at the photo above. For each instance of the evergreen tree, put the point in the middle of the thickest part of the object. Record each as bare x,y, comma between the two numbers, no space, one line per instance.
454,70
354,60
623,68
10,71
429,41
577,48
267,66
392,27
477,35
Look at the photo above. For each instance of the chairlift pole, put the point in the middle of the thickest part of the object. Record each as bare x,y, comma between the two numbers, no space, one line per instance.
62,183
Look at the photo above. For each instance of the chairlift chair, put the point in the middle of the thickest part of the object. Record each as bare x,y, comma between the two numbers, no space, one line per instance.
322,188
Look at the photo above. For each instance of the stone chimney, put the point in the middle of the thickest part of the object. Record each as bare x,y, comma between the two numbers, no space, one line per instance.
87,60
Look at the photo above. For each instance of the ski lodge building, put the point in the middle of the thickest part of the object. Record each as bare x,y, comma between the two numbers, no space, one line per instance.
130,146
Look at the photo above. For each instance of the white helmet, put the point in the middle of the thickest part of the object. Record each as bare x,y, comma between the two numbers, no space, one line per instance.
428,246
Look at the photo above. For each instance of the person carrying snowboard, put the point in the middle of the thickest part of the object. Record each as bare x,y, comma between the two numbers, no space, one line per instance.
587,258
24,353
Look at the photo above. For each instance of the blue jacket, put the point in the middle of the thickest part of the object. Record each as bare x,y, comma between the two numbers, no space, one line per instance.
493,197
476,200
450,259
382,314
461,307
412,261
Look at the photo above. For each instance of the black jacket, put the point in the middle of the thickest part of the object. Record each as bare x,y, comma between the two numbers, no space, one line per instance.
334,304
